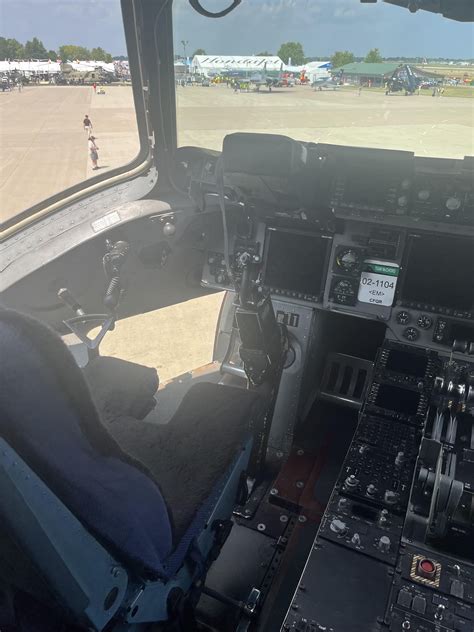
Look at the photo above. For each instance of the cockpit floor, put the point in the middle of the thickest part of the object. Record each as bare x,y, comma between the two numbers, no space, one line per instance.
268,551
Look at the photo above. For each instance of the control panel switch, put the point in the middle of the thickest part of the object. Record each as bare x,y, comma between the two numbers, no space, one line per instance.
356,539
384,544
426,568
390,497
404,599
439,613
457,589
338,526
400,459
419,604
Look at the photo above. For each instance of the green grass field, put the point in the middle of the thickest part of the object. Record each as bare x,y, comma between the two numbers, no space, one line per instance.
464,92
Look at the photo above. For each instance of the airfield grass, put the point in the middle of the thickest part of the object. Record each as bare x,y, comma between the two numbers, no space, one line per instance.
461,92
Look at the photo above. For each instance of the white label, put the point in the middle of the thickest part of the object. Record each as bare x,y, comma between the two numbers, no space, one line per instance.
104,222
376,287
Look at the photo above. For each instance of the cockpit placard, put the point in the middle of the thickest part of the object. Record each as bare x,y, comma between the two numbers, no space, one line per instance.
378,282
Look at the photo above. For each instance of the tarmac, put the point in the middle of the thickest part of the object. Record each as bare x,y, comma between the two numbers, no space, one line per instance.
43,150
43,146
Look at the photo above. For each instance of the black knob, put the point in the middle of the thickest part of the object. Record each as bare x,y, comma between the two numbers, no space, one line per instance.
424,321
411,334
403,317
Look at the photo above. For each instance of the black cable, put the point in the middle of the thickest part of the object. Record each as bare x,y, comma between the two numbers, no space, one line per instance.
221,196
196,5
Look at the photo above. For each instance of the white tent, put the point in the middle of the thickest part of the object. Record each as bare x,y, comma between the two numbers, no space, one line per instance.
31,67
214,64
39,67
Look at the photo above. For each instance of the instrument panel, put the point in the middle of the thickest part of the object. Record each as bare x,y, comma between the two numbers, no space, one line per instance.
380,234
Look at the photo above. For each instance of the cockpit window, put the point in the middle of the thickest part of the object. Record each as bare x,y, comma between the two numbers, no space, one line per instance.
66,103
339,72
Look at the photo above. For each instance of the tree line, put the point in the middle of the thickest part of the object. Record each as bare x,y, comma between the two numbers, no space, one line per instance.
35,49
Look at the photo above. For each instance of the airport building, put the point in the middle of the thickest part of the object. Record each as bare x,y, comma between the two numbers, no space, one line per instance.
362,73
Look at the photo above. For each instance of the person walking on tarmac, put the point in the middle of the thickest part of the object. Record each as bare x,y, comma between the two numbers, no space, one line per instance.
93,152
94,85
87,125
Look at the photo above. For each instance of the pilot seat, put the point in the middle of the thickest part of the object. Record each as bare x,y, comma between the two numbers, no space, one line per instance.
108,525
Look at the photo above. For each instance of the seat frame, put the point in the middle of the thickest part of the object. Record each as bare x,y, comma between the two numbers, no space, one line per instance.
88,581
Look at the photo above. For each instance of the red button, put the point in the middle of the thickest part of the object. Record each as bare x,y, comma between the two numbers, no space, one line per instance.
427,566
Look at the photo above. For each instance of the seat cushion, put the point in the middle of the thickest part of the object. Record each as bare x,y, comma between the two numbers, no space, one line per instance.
48,417
122,388
189,454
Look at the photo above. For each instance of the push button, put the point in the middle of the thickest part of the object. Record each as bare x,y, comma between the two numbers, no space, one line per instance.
426,568
419,604
404,599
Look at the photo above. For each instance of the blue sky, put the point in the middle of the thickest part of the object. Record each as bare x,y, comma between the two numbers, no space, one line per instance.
322,26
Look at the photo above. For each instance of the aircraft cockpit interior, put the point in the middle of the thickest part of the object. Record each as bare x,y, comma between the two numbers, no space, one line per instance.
318,474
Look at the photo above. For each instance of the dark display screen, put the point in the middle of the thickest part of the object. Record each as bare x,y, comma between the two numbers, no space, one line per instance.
440,272
400,400
459,331
358,191
408,363
296,261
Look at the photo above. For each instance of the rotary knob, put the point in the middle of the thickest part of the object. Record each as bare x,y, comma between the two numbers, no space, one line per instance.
403,317
338,526
351,482
424,321
453,203
411,334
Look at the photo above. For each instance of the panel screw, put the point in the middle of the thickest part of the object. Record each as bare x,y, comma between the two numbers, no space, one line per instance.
274,491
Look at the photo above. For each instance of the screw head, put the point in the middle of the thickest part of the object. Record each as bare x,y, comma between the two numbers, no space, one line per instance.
283,518
302,519
274,491
261,527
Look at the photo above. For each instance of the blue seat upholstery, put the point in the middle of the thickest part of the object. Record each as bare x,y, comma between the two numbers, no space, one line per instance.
110,488
49,418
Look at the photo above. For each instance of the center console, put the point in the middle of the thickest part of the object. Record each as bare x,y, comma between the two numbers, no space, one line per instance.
394,549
